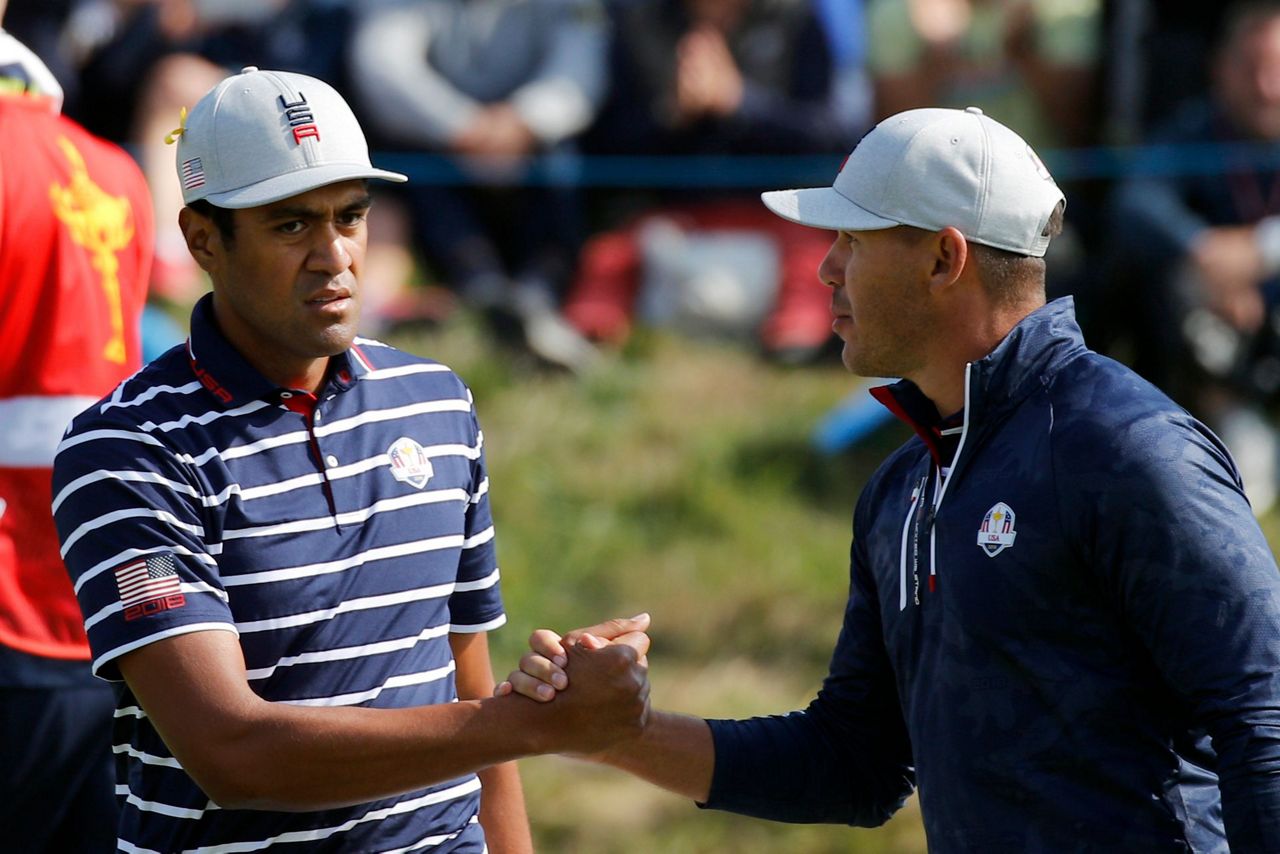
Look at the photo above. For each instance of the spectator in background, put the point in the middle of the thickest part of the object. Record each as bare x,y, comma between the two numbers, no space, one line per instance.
75,252
1029,62
491,84
722,77
1198,251
1156,57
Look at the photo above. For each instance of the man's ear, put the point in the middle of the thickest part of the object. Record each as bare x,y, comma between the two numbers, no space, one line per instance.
204,241
950,255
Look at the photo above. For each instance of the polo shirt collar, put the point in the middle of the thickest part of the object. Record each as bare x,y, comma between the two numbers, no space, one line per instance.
233,381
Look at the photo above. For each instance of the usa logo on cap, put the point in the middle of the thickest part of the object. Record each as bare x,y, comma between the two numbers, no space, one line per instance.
300,118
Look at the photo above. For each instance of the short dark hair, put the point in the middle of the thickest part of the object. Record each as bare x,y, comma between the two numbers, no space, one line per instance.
224,219
1010,277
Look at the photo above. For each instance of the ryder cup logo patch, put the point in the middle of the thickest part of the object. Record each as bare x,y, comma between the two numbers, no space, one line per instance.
409,462
997,533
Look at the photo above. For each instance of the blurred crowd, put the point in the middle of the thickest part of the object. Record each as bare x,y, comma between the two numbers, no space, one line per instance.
569,176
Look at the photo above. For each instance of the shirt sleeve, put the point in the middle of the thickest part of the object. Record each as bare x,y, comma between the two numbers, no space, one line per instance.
844,759
1162,519
132,523
476,603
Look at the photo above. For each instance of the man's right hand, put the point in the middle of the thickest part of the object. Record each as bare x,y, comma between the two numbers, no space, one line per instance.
543,670
608,703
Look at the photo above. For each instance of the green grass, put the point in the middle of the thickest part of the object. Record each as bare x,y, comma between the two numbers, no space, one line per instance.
677,480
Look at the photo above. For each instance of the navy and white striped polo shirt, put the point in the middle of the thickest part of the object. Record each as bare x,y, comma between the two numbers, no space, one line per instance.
342,537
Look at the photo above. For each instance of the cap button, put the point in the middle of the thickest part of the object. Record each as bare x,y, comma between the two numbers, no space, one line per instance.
977,111
249,69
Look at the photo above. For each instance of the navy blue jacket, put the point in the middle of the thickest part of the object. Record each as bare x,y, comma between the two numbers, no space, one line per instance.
1071,642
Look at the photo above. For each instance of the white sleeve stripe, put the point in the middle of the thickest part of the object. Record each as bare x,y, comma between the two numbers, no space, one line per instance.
95,435
479,539
150,393
479,584
364,603
319,523
204,587
126,475
146,758
403,680
481,492
189,628
129,712
156,807
462,629
331,566
344,653
199,460
132,513
121,557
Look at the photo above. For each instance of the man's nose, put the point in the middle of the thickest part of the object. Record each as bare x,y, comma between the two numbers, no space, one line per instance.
329,253
831,270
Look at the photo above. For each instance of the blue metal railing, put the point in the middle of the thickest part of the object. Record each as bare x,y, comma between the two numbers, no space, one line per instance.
748,171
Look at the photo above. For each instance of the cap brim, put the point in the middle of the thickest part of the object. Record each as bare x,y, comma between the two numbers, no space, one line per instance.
823,207
296,183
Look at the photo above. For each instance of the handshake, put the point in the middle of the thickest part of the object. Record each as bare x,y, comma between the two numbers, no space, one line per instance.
608,701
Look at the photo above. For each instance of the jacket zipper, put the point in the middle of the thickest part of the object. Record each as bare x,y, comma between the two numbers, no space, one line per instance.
913,513
916,511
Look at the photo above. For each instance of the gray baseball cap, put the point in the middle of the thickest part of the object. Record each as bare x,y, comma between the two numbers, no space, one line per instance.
933,168
262,136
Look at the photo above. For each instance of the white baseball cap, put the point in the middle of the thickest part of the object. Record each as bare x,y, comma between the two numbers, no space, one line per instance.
933,168
262,136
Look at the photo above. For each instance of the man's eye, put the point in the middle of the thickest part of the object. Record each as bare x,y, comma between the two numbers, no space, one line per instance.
352,219
293,227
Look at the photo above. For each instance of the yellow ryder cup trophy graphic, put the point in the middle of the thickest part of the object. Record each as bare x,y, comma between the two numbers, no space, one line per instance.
102,224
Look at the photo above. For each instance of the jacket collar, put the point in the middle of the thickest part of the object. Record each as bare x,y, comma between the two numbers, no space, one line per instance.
230,378
1025,360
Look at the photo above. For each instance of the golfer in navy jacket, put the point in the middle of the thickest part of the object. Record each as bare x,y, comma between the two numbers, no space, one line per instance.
1064,621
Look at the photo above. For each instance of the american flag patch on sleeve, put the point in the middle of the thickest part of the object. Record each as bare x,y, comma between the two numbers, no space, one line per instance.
149,585
192,174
